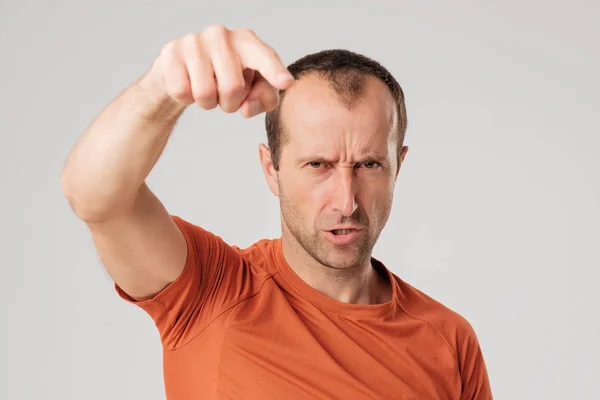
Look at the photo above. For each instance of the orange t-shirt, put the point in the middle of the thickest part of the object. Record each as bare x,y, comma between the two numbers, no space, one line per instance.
240,324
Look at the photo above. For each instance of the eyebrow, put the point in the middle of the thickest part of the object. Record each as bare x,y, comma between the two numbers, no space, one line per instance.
371,155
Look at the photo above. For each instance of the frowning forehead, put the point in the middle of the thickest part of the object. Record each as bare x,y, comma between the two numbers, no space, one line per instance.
317,123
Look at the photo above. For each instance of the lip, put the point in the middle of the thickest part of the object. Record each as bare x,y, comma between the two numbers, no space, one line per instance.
355,227
345,239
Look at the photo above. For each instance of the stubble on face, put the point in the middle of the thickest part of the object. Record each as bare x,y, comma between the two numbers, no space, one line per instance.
346,135
309,236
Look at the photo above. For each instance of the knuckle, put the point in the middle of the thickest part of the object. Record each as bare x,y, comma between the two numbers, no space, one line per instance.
207,104
229,109
215,31
246,33
191,48
204,94
191,40
170,49
229,104
231,88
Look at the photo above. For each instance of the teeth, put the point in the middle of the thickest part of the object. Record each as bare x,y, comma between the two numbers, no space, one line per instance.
342,231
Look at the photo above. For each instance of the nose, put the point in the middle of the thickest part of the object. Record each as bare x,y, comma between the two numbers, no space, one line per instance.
343,192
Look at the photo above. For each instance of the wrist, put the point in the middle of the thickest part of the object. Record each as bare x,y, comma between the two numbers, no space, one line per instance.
156,102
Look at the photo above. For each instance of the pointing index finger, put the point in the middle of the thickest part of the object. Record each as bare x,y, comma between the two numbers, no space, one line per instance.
257,55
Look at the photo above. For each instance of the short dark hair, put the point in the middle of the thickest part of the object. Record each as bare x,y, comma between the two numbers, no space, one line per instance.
346,71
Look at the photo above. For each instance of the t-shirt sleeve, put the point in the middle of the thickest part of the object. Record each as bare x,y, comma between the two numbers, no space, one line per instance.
473,370
214,279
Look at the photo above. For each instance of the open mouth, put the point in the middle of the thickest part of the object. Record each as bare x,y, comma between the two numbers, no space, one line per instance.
343,237
342,231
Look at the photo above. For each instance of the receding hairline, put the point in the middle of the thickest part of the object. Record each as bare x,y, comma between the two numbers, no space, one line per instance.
346,72
349,86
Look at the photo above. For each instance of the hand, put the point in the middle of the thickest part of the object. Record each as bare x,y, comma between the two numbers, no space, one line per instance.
233,69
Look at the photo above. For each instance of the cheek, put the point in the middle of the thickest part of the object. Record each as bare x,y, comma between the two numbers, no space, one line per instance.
376,197
304,195
312,199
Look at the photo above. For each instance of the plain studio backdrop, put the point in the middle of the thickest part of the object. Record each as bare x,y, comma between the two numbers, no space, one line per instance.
496,212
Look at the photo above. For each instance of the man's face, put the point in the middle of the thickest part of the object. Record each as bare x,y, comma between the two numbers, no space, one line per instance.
337,171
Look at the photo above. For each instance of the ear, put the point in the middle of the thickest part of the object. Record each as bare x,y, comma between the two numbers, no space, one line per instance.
264,154
401,158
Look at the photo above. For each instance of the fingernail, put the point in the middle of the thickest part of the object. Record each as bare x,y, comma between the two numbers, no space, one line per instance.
254,107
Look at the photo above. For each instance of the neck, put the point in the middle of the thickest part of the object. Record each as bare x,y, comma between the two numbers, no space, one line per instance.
361,284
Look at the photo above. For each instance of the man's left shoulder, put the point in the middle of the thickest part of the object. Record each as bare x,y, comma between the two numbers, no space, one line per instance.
458,334
453,326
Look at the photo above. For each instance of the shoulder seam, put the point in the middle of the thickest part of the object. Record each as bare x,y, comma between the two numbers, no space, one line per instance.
432,327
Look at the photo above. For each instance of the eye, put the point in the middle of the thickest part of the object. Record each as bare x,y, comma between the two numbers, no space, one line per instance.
318,165
370,164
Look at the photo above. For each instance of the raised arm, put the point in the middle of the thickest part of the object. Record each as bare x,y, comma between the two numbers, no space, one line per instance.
104,176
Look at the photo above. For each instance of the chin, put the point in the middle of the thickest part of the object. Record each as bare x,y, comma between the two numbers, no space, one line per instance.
342,257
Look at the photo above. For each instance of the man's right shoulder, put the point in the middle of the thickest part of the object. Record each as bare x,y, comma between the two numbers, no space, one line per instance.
259,254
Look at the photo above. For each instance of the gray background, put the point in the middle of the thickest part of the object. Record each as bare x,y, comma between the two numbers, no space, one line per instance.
497,209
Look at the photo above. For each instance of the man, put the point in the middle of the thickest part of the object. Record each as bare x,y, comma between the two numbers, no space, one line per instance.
310,315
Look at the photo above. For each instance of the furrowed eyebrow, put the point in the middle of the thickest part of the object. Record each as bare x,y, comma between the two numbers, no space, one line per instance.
314,158
375,156
369,157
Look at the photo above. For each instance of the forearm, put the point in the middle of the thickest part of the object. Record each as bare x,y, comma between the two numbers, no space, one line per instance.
112,159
